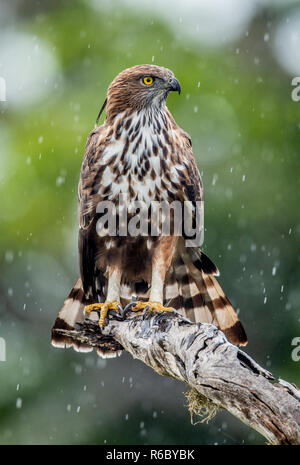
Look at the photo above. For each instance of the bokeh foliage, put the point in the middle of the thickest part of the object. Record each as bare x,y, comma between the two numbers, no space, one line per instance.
245,130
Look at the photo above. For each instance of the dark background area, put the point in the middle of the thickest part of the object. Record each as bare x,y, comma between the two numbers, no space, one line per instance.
235,61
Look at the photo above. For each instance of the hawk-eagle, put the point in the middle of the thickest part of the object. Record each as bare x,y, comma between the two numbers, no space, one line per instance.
140,151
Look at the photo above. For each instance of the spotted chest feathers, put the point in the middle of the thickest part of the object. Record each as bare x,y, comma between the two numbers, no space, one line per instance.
140,157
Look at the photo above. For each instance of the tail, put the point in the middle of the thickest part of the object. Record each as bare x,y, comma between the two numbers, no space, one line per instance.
71,314
191,288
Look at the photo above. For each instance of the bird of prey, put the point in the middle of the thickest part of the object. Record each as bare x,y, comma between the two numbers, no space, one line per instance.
141,152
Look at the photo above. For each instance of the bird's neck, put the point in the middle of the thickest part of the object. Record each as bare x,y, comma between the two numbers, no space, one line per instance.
142,128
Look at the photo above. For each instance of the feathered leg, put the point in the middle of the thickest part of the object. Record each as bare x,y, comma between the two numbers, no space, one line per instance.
161,261
113,297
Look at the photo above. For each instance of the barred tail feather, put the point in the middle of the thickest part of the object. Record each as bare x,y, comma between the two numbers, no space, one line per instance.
70,314
195,292
223,312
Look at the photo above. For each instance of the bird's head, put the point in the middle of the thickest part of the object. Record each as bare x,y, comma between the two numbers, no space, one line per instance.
139,87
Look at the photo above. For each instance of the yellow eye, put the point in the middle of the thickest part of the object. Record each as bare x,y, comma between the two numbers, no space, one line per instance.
148,80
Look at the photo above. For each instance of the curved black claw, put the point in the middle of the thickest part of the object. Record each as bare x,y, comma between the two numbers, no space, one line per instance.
127,309
145,311
117,314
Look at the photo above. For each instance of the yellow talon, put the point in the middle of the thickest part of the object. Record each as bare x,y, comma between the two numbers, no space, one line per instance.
154,306
104,309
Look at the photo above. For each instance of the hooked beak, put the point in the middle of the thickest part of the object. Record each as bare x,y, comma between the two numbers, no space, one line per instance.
174,85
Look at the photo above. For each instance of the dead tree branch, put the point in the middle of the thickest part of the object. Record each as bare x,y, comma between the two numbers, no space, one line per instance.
200,356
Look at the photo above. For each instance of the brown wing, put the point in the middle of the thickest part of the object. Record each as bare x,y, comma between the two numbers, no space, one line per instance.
88,199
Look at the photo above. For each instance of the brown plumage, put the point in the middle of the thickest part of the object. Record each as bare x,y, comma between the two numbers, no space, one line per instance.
140,151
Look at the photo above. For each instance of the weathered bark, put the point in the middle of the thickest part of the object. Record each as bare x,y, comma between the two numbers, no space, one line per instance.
200,356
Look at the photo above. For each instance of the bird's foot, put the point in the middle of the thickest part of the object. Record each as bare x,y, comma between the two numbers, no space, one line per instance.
151,306
145,306
103,308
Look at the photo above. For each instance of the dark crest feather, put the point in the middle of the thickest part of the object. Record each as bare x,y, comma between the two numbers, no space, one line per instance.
101,111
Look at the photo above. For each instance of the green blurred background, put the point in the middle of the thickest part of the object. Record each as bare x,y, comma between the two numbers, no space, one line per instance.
235,61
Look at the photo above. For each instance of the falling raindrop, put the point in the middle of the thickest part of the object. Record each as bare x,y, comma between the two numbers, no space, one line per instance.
19,402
